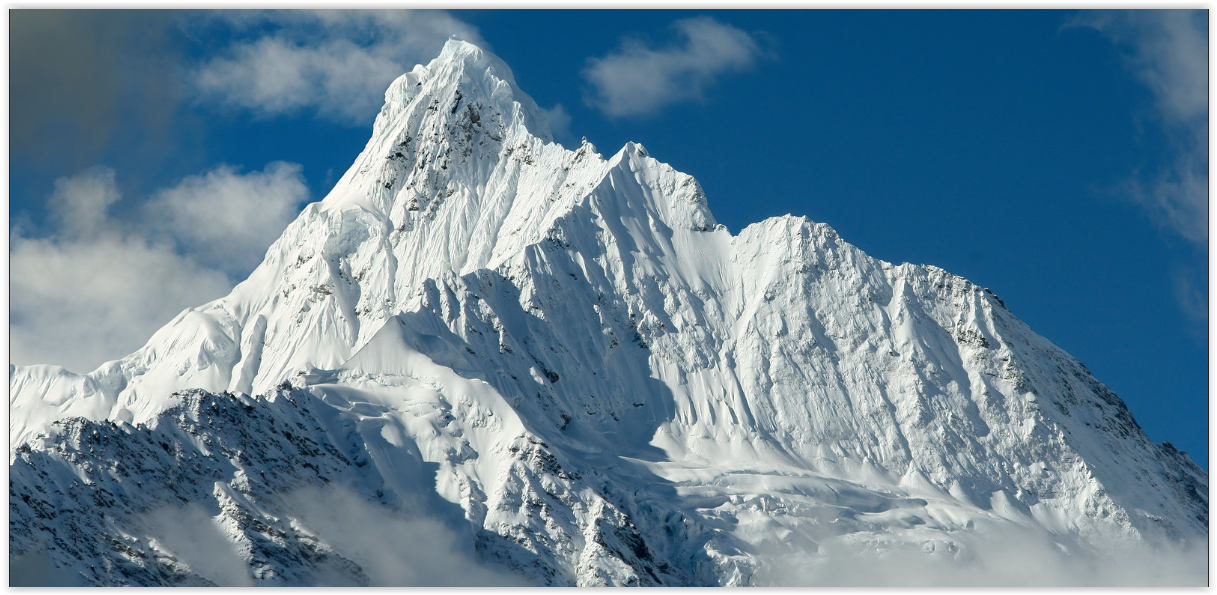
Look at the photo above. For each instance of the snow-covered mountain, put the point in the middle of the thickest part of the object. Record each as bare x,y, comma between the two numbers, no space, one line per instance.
557,368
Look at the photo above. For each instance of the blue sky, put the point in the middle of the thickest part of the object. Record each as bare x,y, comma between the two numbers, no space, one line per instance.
1057,157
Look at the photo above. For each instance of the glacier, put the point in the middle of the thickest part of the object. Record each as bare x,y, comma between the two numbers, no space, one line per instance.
564,371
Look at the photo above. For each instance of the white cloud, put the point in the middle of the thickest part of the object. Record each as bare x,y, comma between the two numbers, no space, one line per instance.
337,62
638,80
1168,51
227,220
559,122
997,556
79,203
395,548
1192,296
192,536
80,303
99,286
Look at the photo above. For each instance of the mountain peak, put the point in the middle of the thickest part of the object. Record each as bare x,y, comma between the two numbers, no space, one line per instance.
443,121
459,49
463,71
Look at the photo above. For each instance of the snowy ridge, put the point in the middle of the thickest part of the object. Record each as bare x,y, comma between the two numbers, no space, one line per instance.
612,388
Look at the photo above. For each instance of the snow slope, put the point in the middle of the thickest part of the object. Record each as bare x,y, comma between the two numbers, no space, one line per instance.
610,386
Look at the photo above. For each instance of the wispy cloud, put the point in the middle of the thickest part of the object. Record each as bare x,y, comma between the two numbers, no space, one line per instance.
1167,50
335,62
559,122
396,548
97,286
999,556
1192,296
194,539
225,219
638,80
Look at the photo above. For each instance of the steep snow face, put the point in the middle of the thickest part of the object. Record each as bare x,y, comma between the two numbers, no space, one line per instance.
612,387
459,175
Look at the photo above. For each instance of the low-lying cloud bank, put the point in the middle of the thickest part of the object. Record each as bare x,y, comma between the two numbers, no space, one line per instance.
395,548
391,547
1001,558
